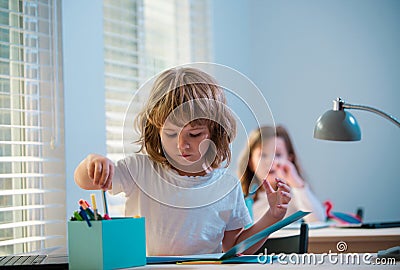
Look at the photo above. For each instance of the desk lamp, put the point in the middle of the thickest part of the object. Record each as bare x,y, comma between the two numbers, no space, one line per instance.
340,125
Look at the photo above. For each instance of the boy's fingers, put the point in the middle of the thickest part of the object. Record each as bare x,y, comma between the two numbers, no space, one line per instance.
267,187
285,197
285,194
280,183
97,172
280,180
284,187
110,176
104,175
90,168
282,206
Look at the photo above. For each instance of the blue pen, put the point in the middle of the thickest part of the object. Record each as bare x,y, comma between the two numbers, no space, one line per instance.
84,216
106,216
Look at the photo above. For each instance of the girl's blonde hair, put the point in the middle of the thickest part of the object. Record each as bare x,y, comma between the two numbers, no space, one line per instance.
256,138
184,96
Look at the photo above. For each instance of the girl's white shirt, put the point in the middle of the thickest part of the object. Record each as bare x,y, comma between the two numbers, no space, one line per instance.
184,214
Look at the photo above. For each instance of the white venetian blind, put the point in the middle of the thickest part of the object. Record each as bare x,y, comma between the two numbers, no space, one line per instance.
141,38
123,49
32,170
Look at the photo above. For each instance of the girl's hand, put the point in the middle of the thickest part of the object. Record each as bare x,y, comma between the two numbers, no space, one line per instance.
100,170
286,170
278,199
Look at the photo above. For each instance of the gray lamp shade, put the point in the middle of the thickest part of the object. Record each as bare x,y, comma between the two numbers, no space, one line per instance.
337,125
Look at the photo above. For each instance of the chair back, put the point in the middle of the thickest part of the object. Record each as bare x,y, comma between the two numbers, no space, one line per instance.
287,244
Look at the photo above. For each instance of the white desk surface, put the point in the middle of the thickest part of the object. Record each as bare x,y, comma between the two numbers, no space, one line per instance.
326,265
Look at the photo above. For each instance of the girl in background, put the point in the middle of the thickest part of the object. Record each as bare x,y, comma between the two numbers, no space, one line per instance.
254,166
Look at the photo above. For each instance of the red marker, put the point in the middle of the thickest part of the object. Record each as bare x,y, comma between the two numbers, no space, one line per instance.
85,206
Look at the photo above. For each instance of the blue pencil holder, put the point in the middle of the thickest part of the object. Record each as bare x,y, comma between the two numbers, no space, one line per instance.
107,244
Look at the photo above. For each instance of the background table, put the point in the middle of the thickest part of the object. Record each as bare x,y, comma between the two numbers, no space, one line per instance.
356,239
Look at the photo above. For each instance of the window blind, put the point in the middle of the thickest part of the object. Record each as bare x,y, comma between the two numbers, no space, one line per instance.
32,169
123,46
141,38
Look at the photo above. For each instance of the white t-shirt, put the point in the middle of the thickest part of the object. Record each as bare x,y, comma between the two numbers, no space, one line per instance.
184,214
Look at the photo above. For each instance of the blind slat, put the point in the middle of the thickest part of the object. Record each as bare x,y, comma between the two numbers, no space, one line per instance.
23,143
5,192
28,239
27,158
28,223
30,175
30,207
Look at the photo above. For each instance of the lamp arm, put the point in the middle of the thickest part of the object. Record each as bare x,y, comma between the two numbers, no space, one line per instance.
370,109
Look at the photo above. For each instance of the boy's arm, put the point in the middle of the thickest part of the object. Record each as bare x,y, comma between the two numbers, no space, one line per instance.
234,237
278,201
94,172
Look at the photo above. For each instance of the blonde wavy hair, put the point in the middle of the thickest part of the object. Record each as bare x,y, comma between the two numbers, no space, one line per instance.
186,95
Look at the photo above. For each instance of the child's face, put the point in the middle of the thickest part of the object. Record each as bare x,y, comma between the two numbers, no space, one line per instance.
185,147
262,158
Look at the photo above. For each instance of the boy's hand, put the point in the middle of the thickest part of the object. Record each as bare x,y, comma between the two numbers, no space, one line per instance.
100,170
278,199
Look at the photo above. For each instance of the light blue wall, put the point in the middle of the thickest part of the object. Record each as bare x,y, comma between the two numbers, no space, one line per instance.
304,54
83,87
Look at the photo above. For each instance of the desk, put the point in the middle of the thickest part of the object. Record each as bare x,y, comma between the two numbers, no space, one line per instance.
325,264
286,263
357,240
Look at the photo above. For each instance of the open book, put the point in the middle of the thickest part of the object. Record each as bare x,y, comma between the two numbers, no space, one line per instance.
231,256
